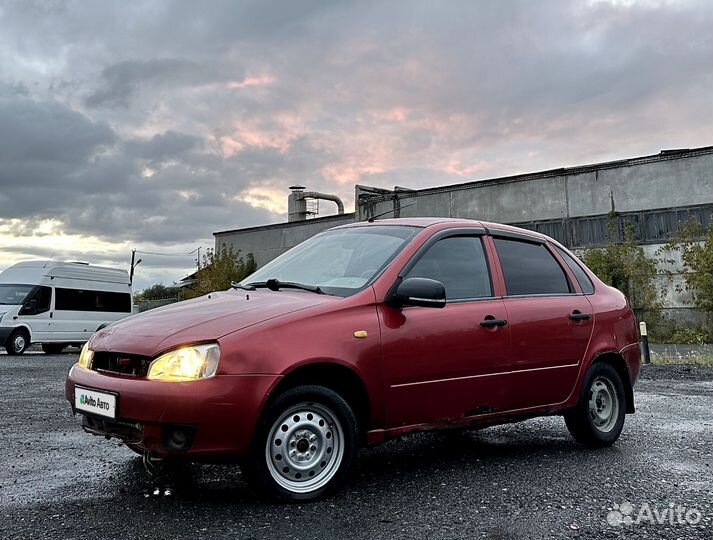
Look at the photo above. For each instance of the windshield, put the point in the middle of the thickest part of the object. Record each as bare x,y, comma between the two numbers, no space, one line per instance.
339,262
14,295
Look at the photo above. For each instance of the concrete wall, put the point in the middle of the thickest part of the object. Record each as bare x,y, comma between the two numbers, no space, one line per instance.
269,241
661,181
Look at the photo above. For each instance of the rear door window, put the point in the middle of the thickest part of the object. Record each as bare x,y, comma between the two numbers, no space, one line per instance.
459,263
584,282
529,268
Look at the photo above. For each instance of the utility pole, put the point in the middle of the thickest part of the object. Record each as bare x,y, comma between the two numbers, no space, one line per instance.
133,266
199,257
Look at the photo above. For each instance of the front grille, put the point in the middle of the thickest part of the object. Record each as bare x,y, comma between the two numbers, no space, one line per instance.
124,364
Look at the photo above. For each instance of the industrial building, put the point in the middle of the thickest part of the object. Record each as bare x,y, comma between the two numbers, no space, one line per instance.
654,193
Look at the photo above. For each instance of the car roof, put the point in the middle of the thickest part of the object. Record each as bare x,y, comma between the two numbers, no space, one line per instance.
424,222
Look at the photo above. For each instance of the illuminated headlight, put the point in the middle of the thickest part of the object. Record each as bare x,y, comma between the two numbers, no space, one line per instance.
85,357
186,364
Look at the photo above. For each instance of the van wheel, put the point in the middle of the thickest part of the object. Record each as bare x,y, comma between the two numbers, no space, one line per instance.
53,348
304,446
18,342
598,418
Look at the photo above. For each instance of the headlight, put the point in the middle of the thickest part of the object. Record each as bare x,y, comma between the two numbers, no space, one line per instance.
186,364
85,357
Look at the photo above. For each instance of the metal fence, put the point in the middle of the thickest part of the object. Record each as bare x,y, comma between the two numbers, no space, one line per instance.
145,305
649,226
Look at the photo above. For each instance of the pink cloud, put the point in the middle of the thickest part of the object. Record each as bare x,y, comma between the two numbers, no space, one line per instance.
259,80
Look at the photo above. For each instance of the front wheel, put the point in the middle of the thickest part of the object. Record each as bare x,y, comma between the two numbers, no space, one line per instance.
305,445
598,418
18,342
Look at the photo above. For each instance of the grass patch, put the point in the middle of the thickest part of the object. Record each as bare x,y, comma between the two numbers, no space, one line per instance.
705,360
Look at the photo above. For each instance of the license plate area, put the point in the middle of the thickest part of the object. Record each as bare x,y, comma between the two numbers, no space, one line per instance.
101,403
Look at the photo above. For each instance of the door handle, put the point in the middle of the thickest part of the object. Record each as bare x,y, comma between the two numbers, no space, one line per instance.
577,315
491,322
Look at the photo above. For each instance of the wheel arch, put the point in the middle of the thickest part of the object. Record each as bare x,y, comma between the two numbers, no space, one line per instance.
337,377
23,327
617,361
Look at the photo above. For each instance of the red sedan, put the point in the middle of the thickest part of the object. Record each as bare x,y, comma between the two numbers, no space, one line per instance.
358,335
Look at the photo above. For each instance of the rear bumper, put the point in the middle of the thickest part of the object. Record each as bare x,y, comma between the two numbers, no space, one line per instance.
632,356
218,414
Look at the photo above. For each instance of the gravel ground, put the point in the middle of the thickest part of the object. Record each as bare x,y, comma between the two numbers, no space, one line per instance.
522,481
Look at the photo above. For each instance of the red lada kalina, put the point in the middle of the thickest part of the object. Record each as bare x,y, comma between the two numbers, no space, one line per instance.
358,335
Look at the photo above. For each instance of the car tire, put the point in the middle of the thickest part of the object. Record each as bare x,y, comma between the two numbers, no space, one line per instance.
18,342
304,446
53,348
598,418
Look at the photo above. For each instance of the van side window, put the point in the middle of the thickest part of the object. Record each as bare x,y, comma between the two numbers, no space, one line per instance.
530,268
459,263
84,300
579,273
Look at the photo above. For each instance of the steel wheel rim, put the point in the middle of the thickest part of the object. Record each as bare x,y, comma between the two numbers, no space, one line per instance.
305,448
19,342
603,404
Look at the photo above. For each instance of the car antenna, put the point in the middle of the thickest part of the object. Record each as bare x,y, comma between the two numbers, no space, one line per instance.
372,218
49,260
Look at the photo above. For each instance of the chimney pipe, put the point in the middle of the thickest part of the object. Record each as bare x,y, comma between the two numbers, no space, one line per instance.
297,202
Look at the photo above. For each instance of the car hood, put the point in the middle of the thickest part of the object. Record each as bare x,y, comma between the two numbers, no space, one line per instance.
202,319
4,308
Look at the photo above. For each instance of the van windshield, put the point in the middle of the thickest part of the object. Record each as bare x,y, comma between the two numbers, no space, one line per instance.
339,262
14,295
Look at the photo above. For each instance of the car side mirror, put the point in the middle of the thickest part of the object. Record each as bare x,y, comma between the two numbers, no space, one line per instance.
30,308
418,291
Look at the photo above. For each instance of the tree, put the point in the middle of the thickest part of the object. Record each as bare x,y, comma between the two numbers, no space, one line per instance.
219,269
625,265
695,245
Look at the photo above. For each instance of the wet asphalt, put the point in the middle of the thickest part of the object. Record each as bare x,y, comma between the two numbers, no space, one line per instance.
521,481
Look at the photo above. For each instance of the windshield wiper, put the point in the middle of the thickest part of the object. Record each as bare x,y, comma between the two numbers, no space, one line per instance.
241,286
275,285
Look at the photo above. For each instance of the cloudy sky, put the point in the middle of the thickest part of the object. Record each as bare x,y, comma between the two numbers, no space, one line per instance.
151,125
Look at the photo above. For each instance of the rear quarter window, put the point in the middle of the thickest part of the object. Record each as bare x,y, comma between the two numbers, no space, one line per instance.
584,282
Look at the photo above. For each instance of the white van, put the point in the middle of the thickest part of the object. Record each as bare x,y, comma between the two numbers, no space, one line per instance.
59,303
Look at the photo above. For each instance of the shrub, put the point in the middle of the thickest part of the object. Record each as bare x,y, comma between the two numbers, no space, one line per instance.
625,265
690,336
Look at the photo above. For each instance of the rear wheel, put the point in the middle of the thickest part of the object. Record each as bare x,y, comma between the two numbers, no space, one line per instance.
598,418
18,342
304,446
53,348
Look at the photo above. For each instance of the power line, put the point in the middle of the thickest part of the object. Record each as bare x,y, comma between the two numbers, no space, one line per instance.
169,254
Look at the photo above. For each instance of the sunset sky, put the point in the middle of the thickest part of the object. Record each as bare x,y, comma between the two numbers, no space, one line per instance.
151,125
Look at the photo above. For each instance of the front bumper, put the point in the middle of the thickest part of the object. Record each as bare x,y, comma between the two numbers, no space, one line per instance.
219,414
5,332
